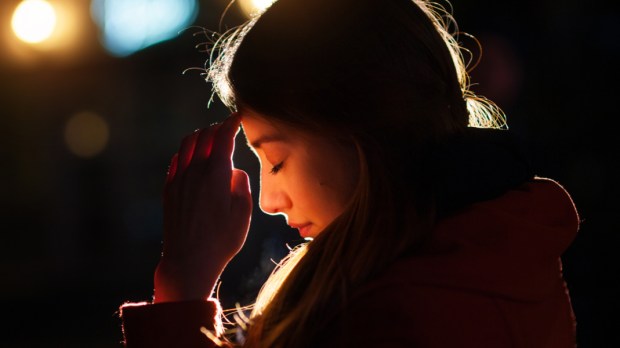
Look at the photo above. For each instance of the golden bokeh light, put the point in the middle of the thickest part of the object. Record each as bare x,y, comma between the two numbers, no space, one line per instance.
69,41
254,7
86,134
34,21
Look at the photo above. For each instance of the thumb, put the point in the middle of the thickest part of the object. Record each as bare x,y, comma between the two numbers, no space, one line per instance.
241,195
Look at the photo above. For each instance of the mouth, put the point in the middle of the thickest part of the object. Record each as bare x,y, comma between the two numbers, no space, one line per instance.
304,229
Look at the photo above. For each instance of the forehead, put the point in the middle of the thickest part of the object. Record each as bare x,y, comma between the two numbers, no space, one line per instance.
254,123
259,130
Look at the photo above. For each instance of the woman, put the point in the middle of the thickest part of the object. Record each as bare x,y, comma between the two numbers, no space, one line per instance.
428,227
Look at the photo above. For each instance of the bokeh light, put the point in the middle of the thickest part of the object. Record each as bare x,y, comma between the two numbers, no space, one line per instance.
86,134
129,26
254,7
34,21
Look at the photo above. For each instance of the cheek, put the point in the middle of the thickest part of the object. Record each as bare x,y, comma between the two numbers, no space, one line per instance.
328,198
339,181
332,181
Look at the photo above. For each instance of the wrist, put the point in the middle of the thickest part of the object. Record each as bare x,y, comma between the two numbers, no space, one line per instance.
176,284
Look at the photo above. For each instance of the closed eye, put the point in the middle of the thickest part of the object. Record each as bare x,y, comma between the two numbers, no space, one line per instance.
276,168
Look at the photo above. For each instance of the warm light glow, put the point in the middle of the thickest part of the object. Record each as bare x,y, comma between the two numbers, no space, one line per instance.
34,21
86,134
254,7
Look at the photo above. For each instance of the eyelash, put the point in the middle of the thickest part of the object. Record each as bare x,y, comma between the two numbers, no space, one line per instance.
276,168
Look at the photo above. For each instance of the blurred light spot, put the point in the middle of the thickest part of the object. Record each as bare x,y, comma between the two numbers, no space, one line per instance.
34,21
86,134
253,7
69,42
131,25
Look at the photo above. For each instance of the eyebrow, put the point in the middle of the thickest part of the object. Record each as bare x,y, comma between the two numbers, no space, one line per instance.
267,138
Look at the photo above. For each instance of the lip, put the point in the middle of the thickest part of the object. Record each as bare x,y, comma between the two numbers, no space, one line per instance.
304,229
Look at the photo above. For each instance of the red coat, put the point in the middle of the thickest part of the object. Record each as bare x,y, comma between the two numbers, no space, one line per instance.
491,276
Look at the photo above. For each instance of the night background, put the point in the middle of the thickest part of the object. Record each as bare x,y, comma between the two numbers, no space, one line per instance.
87,131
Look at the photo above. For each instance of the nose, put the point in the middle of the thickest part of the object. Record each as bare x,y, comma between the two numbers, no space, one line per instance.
273,198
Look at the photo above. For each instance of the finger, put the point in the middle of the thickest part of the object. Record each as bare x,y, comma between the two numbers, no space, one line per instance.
241,200
172,169
240,188
240,184
186,151
236,115
221,165
224,142
204,143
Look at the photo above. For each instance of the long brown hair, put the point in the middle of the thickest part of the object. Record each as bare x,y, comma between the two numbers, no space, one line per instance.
385,76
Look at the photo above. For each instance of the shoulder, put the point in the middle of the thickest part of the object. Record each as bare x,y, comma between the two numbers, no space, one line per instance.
540,194
489,278
552,194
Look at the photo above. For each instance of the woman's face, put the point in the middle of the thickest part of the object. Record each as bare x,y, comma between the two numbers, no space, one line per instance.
305,177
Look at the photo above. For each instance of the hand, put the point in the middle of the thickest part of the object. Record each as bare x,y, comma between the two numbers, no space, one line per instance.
207,209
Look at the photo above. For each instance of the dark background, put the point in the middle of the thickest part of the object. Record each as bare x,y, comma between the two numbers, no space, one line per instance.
81,236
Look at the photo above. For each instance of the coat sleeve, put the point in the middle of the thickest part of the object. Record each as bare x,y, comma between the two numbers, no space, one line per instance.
172,324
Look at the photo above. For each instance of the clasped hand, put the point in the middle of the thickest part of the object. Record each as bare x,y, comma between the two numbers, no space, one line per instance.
207,209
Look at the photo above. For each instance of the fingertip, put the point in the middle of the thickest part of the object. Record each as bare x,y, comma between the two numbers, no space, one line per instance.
237,130
224,142
238,120
233,121
240,182
236,115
